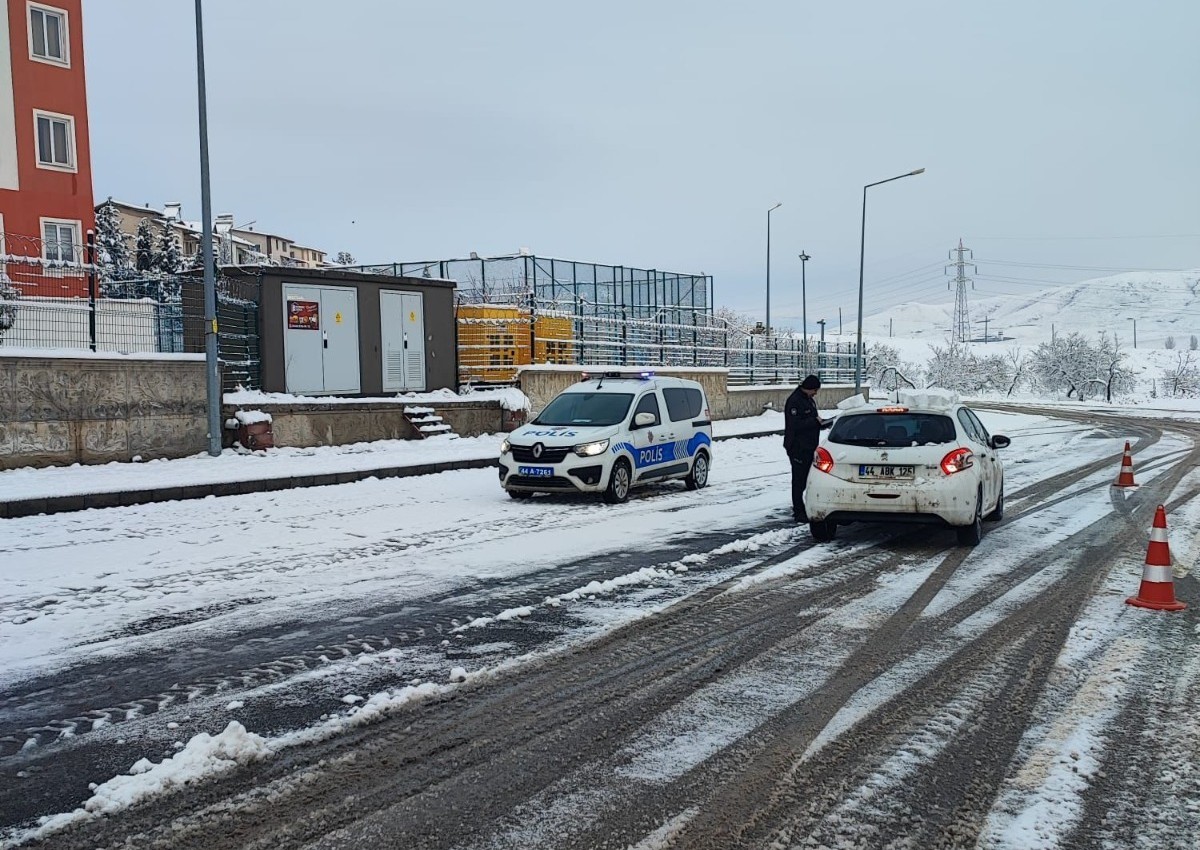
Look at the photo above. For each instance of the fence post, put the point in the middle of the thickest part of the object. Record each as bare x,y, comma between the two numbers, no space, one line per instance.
90,257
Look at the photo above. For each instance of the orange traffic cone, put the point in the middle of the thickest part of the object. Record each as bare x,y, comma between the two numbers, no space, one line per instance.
1158,587
1125,478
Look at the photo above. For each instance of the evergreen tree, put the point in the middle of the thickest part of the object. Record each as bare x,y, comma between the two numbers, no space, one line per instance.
344,258
1194,343
112,254
1169,343
167,258
8,305
145,258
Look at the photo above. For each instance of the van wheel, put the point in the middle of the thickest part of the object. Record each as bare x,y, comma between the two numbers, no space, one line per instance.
619,480
997,514
970,535
698,477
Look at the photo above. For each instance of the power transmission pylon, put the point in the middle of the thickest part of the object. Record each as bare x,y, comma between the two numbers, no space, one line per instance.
960,331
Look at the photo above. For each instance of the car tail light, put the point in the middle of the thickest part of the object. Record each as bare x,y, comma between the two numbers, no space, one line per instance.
823,460
957,461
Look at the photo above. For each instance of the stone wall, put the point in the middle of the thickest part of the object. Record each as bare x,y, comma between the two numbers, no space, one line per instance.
97,408
339,424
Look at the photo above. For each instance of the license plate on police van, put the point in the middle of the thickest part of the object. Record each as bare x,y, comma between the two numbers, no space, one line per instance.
885,471
540,471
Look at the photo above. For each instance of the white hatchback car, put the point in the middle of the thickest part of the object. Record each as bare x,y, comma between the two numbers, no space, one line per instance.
923,458
609,433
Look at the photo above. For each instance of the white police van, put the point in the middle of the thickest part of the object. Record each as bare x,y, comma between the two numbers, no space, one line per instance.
609,433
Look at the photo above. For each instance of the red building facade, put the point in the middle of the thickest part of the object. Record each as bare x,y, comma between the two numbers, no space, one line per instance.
45,161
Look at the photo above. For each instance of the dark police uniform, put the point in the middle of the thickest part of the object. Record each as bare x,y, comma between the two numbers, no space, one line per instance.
801,433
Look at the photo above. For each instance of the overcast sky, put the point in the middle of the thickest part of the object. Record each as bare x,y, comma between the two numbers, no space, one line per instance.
657,134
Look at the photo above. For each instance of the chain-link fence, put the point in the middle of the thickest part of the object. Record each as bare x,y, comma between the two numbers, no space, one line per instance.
57,298
494,339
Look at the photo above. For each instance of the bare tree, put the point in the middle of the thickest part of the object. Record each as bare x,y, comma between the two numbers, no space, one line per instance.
1184,378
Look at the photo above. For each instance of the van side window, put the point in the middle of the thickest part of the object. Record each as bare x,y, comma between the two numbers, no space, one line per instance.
683,403
649,404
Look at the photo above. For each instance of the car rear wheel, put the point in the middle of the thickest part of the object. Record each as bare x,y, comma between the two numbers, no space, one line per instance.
822,530
970,535
698,477
998,513
619,481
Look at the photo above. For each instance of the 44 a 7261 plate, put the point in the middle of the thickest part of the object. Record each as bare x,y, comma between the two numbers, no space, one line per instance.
536,471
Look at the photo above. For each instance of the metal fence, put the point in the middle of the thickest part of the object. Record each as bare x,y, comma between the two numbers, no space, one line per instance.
643,293
522,309
60,299
494,339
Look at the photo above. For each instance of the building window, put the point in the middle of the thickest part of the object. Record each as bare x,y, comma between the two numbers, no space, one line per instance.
55,140
60,240
48,34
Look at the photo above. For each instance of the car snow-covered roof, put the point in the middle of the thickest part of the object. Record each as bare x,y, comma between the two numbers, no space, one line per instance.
930,399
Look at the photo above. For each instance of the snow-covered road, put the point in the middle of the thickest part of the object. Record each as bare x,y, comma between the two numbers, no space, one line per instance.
125,631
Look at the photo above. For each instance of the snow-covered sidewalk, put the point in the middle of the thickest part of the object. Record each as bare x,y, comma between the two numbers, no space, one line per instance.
234,466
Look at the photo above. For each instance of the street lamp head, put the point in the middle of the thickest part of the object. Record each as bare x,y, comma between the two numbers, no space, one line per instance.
804,257
777,206
918,171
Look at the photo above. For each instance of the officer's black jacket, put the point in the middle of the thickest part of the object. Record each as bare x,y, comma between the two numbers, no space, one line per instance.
801,424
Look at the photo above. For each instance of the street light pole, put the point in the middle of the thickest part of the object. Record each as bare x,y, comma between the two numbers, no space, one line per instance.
804,258
1134,332
211,366
821,351
862,244
771,210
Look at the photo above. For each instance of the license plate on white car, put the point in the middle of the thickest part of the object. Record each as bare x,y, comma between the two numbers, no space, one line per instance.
541,471
885,471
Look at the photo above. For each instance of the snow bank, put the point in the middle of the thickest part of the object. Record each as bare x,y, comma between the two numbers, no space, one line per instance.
251,417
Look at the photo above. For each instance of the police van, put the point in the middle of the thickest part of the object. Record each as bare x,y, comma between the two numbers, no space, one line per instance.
609,433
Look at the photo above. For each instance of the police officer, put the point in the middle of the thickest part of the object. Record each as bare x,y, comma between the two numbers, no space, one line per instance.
802,426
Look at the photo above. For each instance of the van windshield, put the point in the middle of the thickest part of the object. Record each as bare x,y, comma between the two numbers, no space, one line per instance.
586,409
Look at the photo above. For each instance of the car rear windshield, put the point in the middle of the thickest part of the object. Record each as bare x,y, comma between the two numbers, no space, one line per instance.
586,409
892,429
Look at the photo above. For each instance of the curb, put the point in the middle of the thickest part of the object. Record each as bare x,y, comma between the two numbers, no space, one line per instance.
127,498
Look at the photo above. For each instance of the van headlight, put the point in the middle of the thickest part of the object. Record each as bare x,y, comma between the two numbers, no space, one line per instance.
591,449
505,448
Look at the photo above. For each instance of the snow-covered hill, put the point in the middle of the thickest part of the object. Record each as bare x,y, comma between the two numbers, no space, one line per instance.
1164,304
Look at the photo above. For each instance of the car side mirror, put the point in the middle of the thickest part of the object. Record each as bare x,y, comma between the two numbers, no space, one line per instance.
999,441
644,420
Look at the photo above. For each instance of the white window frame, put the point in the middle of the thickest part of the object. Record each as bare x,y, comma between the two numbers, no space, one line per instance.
64,32
71,146
76,243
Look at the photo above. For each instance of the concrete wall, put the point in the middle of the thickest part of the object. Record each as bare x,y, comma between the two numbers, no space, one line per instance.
541,384
63,410
304,425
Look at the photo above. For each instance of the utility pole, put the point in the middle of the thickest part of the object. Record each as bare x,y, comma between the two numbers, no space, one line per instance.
890,321
821,351
839,321
804,258
961,330
211,353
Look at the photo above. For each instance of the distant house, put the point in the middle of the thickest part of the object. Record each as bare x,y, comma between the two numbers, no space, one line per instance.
232,245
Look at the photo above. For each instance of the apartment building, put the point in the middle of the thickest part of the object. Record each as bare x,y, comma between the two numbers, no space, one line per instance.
45,162
236,245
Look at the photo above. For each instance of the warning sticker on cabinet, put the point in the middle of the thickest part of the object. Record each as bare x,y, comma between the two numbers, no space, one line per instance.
304,315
